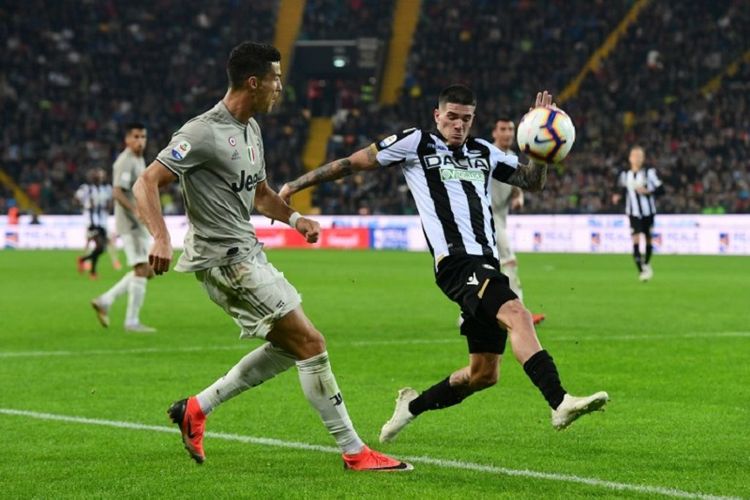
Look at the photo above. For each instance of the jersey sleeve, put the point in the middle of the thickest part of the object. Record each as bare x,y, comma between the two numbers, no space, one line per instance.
123,173
189,147
396,148
654,184
621,181
653,179
81,194
502,164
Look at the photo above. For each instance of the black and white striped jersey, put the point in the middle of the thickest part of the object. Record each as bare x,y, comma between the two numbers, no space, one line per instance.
95,201
636,204
450,187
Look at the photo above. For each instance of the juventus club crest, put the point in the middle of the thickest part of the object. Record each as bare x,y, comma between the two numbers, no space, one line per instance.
253,154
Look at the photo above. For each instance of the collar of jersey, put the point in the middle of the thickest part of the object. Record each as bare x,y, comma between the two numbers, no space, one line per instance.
453,149
230,118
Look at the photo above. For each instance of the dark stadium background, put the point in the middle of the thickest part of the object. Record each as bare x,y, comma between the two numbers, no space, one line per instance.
672,76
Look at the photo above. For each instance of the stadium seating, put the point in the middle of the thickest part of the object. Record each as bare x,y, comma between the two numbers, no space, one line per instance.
73,73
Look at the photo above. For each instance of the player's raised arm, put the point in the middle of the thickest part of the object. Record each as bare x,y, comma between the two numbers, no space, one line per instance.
531,177
364,159
148,206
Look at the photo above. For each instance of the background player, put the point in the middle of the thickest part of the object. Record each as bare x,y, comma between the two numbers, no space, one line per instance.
128,166
640,186
218,157
96,199
505,197
448,172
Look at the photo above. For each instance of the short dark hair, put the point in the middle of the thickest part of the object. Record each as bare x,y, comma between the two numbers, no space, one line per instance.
503,117
250,59
130,126
457,94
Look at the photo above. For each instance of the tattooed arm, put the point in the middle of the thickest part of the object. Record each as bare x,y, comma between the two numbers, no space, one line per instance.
364,159
531,177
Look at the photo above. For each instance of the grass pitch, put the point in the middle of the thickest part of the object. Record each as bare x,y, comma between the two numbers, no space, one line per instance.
82,409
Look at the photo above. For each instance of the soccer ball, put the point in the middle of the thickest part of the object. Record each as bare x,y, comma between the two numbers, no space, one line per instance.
546,134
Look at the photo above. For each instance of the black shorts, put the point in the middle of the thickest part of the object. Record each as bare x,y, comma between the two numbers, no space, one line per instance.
641,224
476,284
96,232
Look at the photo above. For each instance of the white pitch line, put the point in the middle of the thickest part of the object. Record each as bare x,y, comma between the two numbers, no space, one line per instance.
141,350
446,464
366,343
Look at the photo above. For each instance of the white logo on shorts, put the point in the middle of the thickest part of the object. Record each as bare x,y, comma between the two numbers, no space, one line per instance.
473,280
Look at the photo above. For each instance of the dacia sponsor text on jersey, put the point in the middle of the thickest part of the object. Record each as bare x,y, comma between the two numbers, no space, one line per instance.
448,161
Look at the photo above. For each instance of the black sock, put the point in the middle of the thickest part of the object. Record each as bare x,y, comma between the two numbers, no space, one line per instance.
637,257
437,397
649,250
95,259
542,371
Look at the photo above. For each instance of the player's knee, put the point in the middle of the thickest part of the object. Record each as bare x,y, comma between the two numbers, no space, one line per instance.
513,313
143,270
313,343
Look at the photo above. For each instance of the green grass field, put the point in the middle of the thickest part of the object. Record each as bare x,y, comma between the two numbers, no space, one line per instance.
673,354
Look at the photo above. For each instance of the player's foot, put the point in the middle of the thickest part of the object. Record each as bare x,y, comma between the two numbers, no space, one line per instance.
93,276
87,265
573,407
371,460
139,328
102,312
401,415
116,265
538,318
647,273
80,264
189,417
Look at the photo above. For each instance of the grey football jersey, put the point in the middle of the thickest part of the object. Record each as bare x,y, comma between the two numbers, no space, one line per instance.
125,172
219,161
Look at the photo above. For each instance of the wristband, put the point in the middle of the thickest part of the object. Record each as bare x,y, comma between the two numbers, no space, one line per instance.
294,218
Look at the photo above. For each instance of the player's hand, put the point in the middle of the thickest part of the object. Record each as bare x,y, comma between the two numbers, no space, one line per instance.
615,199
642,190
308,228
160,255
285,193
543,99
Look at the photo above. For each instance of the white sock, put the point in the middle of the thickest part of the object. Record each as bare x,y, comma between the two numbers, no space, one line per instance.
515,282
321,390
118,289
260,365
136,294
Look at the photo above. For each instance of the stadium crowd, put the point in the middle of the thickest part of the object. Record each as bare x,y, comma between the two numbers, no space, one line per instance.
74,72
697,141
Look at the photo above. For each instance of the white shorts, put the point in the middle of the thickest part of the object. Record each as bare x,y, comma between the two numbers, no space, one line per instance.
252,292
136,248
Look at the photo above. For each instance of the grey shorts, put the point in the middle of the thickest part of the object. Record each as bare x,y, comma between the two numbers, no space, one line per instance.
252,292
136,248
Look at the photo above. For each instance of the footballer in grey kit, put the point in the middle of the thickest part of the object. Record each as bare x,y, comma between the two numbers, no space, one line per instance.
218,157
126,169
220,163
505,197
